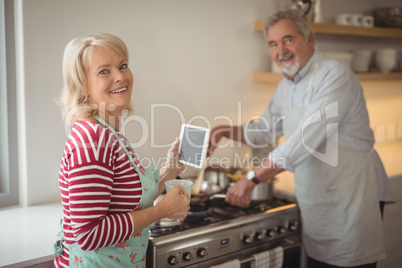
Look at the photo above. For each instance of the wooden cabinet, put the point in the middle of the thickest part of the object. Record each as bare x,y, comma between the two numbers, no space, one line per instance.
335,29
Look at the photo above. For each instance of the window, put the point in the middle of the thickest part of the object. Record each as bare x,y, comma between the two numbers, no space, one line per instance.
8,112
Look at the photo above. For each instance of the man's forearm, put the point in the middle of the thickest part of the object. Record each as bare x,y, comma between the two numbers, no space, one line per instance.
267,170
233,132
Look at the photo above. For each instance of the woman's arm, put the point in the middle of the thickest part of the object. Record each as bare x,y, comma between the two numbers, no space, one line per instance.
174,205
176,202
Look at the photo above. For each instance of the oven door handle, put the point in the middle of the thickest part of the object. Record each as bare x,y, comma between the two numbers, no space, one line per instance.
289,244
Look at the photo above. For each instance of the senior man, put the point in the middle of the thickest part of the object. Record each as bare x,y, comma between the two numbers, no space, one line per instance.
341,184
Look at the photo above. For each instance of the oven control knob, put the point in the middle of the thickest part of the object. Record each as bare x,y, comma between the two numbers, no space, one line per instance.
259,235
293,226
270,233
172,260
247,239
201,252
187,256
281,230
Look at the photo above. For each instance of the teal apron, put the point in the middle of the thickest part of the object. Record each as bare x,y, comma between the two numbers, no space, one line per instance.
129,253
341,221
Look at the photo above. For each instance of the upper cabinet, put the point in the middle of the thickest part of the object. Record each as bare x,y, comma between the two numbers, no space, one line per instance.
335,29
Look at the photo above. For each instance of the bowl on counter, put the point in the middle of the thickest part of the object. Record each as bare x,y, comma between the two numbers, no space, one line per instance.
388,17
361,60
385,59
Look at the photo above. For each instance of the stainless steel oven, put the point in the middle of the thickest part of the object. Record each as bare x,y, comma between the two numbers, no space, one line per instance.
224,233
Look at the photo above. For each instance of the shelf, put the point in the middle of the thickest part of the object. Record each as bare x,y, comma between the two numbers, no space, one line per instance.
265,77
326,28
274,78
378,76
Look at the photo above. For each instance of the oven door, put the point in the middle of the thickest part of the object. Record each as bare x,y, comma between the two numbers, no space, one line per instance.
291,249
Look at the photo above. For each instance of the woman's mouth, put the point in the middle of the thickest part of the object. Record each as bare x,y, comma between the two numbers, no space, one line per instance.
119,90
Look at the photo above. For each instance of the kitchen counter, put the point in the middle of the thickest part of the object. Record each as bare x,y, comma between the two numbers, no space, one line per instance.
28,234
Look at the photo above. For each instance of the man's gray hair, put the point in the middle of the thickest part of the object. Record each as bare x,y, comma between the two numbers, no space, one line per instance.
301,24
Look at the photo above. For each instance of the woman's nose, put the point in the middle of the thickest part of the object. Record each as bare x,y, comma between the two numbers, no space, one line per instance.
119,76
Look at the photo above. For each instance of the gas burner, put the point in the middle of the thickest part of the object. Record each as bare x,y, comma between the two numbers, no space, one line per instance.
158,230
229,212
199,210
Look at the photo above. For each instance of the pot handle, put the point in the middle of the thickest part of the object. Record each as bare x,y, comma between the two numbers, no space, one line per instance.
223,196
273,180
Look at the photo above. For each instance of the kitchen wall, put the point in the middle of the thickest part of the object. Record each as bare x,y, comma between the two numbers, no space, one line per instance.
192,62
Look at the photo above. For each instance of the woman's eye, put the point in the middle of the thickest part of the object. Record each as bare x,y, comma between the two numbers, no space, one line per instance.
103,71
124,66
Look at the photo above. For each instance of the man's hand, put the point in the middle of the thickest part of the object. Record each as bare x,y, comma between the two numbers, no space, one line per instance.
216,135
239,194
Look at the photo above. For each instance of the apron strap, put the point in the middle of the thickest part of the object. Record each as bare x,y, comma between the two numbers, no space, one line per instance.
311,80
103,122
308,89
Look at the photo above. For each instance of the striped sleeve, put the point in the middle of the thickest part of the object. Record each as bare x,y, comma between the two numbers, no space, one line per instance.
90,181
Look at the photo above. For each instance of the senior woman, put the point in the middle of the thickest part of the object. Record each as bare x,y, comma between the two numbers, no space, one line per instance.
107,195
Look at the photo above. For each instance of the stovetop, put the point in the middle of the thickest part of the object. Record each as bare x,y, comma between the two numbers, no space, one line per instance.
214,234
203,215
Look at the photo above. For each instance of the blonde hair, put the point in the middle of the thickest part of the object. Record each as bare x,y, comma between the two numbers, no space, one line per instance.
77,54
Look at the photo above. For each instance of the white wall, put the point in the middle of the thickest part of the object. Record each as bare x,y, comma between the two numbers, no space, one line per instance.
196,55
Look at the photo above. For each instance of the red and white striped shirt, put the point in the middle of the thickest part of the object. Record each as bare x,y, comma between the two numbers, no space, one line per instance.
99,187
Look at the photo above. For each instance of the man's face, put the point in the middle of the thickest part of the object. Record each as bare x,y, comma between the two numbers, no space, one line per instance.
289,49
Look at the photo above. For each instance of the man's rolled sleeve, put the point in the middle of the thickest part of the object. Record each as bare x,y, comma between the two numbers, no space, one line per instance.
265,131
281,160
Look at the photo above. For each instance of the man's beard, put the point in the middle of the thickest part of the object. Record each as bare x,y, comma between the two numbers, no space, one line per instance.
289,69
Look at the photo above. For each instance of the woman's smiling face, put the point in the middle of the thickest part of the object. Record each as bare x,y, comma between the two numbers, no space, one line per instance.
110,81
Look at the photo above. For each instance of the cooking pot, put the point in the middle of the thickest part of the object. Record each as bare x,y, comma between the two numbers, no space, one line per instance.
217,176
209,191
264,191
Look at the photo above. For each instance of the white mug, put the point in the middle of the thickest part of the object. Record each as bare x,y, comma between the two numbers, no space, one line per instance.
343,19
187,185
368,21
356,19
